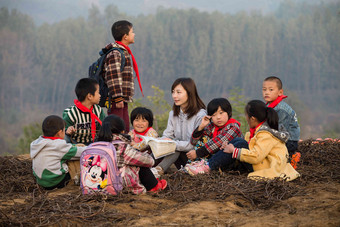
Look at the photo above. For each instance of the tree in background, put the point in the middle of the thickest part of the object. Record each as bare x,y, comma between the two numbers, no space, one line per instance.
31,133
40,65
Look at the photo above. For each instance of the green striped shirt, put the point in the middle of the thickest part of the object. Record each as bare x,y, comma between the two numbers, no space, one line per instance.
82,122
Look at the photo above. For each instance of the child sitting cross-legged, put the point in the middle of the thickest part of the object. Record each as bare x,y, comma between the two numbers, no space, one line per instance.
219,127
141,119
266,152
133,165
51,154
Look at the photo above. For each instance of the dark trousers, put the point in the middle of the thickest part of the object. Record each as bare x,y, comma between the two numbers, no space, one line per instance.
224,161
122,113
292,146
147,178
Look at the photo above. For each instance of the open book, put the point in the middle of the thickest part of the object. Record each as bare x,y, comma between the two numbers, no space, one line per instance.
160,147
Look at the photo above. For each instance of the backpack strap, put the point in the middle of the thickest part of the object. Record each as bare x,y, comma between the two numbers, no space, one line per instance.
122,55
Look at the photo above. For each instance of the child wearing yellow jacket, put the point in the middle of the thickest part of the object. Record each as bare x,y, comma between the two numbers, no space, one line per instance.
266,152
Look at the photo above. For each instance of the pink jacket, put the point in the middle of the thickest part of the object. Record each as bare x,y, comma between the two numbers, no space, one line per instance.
128,161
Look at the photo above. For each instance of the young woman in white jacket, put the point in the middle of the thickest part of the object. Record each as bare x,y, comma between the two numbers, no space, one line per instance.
186,115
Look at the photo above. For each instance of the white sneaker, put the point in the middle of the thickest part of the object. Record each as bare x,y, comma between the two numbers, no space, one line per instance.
157,171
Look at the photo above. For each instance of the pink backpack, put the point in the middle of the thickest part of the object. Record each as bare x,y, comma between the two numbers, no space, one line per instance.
98,169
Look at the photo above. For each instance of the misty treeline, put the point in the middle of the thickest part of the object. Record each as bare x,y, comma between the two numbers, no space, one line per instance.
40,65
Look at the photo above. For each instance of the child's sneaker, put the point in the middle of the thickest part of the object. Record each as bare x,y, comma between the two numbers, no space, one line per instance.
198,168
161,185
295,159
157,171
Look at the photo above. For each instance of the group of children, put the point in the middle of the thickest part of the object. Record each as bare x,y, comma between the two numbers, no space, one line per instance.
206,139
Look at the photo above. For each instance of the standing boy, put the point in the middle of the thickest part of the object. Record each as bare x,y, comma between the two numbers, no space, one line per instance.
84,118
120,83
272,93
50,153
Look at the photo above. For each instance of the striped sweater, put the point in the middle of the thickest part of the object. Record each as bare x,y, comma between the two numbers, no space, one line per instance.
82,123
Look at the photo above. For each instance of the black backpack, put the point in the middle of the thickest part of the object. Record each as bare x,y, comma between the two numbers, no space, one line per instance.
96,72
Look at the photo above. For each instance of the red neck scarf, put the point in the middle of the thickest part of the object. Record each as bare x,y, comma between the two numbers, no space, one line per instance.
276,101
218,128
141,133
252,130
52,138
94,117
135,66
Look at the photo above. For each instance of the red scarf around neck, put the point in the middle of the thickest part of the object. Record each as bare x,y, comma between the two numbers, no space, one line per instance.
135,66
52,138
218,128
141,133
276,101
252,130
93,116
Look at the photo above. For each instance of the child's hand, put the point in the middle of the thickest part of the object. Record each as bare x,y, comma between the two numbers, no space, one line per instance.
224,144
70,130
205,121
120,105
229,148
192,155
80,145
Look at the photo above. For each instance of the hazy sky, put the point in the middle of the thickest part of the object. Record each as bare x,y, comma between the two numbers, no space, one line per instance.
55,10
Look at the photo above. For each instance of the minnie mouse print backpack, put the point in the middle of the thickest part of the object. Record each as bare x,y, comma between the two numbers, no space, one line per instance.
98,169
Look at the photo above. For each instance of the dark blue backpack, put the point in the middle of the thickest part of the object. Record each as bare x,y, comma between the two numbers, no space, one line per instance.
96,72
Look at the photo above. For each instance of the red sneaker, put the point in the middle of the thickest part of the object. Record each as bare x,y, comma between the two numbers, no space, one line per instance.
295,159
161,185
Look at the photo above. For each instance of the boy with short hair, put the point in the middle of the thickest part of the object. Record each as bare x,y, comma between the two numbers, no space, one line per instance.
121,83
272,93
50,153
85,117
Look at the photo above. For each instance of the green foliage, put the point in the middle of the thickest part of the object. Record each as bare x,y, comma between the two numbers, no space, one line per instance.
160,108
31,133
158,105
238,102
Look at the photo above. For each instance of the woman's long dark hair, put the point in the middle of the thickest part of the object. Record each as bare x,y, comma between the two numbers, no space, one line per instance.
194,101
112,124
259,110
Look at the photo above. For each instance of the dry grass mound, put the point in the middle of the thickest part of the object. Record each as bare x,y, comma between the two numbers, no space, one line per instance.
24,203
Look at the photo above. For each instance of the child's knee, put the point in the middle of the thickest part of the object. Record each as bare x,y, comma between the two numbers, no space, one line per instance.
239,143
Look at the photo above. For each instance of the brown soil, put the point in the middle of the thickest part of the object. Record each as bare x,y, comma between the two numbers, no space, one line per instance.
217,199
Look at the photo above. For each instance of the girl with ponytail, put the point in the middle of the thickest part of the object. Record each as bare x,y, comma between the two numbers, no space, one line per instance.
266,150
133,165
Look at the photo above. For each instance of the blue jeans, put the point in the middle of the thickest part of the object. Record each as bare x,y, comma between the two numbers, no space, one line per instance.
224,161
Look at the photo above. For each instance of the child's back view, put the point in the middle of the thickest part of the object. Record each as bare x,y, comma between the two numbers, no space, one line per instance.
84,118
273,94
133,165
50,152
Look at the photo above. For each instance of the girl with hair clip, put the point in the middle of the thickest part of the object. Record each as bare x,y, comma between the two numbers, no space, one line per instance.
186,115
133,165
265,149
